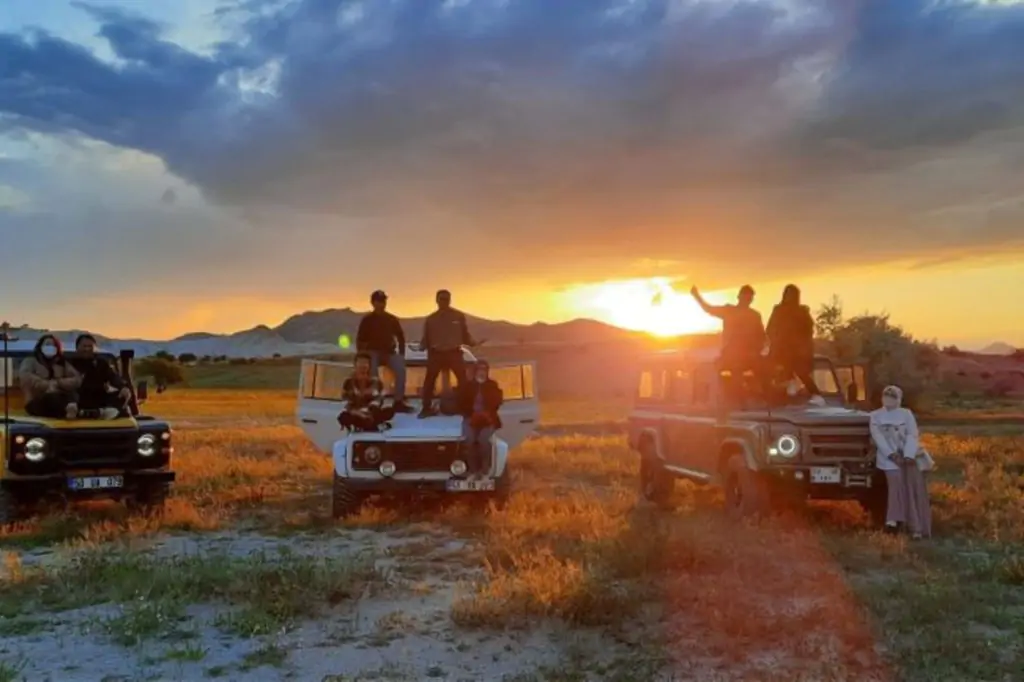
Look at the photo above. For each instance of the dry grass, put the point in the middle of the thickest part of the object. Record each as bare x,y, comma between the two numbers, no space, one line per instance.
805,596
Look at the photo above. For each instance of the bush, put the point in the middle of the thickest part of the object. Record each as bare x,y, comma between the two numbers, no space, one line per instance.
160,370
187,357
892,355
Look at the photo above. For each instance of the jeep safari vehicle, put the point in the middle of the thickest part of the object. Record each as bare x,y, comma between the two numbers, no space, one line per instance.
412,455
683,427
127,458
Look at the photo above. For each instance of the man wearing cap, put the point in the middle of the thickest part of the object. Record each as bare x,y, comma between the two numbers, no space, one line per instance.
743,335
381,337
445,332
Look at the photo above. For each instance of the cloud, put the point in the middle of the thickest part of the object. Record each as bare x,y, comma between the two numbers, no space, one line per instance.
753,136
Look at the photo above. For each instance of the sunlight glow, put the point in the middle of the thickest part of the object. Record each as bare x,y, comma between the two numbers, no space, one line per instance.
649,305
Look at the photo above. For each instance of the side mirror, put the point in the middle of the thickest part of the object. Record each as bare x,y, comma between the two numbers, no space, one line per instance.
142,391
852,393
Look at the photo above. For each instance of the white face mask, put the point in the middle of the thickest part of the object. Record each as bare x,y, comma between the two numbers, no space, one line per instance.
49,351
890,402
481,378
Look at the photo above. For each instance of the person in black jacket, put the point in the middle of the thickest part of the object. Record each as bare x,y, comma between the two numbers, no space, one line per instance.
479,402
380,336
103,391
791,338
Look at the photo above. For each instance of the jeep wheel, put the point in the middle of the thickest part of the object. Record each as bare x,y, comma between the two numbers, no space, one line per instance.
656,484
502,490
149,498
746,495
344,500
12,509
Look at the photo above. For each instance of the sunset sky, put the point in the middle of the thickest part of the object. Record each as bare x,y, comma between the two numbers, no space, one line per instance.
215,164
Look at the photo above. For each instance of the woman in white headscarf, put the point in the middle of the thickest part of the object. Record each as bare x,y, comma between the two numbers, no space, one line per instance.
894,431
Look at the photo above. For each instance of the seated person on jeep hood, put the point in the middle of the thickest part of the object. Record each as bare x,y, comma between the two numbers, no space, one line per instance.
103,391
479,402
49,382
363,393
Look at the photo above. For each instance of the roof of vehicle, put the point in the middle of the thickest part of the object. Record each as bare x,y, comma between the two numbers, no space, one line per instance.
695,355
20,348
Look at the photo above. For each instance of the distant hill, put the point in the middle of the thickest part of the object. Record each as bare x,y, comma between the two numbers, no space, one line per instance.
317,333
998,348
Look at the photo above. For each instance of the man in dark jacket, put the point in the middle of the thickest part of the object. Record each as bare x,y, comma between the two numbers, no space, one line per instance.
381,337
445,332
103,392
791,339
479,402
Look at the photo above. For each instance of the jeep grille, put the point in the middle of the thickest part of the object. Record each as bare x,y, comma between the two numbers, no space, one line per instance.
840,444
96,447
418,457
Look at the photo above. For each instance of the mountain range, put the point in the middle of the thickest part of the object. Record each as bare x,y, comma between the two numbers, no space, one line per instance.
319,333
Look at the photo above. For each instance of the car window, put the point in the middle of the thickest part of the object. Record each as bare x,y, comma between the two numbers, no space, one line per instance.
652,385
681,387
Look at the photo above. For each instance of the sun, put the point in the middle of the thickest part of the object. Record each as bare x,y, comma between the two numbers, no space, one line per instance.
648,305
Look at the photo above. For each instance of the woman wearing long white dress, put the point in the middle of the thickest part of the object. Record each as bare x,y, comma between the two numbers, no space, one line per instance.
899,454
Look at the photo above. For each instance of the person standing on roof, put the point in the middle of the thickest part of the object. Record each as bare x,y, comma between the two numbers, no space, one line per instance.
381,337
743,335
791,340
445,332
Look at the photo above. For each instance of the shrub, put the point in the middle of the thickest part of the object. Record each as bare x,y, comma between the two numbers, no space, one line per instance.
162,371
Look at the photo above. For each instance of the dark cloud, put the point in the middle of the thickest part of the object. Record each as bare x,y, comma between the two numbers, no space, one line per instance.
710,133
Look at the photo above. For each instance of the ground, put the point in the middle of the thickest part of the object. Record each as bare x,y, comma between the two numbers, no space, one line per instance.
246,576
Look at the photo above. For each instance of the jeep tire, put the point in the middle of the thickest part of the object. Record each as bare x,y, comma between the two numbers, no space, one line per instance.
345,501
150,497
656,484
746,492
12,509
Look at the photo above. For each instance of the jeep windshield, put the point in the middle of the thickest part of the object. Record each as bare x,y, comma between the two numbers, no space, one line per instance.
415,377
824,377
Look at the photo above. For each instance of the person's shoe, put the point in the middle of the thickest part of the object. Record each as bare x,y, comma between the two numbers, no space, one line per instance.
427,411
892,528
71,412
109,413
817,401
402,406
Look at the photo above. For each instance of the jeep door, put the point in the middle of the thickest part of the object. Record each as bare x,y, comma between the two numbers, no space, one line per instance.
520,413
320,401
677,429
703,419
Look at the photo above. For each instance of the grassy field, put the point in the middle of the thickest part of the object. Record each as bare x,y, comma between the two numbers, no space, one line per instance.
246,575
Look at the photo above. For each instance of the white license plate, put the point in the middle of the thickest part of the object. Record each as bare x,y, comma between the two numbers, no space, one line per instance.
458,485
95,482
826,475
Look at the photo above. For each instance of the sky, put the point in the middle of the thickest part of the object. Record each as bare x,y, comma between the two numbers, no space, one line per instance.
216,164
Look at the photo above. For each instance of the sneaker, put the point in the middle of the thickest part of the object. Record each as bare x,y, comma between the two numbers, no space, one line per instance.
892,528
402,406
110,413
427,411
817,401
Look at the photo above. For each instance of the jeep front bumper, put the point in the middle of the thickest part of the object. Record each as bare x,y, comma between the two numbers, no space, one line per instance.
58,483
826,481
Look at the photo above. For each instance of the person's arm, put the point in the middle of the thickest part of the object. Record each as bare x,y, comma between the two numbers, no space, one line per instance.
773,324
72,381
348,390
28,378
913,444
361,333
399,335
880,440
718,311
110,376
425,341
467,338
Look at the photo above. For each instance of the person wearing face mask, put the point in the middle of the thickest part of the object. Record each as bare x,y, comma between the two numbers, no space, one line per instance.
479,402
49,382
445,332
899,454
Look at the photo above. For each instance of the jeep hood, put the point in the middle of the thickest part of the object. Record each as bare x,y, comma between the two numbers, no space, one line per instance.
411,427
818,416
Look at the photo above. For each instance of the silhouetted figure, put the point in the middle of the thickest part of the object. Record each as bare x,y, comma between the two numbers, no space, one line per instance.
380,335
791,339
743,339
479,402
445,332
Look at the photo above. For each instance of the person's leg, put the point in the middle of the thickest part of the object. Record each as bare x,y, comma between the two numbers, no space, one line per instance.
396,362
469,445
896,506
483,448
458,367
919,512
374,362
434,364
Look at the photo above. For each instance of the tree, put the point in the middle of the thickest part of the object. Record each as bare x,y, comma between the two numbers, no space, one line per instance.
164,355
187,357
829,318
162,371
892,355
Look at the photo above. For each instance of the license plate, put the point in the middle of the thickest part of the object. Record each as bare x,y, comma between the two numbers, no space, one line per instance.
826,475
95,482
458,485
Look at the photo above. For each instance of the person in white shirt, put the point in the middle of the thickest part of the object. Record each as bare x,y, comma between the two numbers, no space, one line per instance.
899,454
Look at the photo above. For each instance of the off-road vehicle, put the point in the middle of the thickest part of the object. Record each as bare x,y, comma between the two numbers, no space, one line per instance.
684,424
128,458
410,455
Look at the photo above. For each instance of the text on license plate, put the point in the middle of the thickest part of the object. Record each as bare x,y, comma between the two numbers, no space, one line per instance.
95,482
826,475
460,485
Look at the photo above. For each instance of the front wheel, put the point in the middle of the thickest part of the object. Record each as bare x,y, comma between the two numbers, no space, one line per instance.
345,501
12,509
746,492
656,484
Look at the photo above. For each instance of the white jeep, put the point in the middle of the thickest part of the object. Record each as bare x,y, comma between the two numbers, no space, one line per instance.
409,454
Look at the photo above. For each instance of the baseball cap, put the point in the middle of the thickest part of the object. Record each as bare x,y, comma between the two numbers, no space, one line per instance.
378,295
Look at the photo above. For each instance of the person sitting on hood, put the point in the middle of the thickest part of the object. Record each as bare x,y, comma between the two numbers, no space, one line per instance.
50,383
479,402
363,394
103,390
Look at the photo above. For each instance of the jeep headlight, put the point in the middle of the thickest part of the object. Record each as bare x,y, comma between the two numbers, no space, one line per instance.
35,449
787,446
147,445
372,454
387,469
458,468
